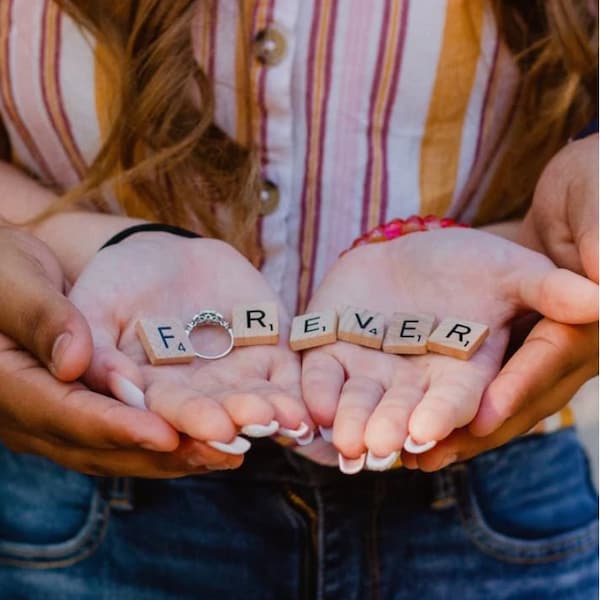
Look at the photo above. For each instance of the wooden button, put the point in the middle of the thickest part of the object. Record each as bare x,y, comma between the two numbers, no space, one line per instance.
255,324
313,329
269,46
408,333
269,198
457,338
362,327
165,341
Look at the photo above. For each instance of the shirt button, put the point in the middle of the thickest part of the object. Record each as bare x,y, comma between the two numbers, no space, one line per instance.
269,198
269,46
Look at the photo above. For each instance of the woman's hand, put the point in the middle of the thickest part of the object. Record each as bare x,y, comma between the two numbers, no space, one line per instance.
374,400
255,389
44,414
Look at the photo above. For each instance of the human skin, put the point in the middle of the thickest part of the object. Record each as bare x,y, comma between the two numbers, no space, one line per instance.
159,274
374,400
555,359
44,346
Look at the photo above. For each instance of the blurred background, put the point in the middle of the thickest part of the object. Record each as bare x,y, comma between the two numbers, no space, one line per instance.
585,405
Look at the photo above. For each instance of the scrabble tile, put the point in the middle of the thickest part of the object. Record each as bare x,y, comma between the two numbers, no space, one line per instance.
457,338
313,329
362,327
408,333
255,324
165,341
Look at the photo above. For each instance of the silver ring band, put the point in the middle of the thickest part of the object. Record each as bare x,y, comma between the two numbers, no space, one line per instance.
210,317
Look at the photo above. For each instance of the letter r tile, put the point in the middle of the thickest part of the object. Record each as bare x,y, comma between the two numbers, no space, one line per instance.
457,337
255,324
164,341
362,327
313,329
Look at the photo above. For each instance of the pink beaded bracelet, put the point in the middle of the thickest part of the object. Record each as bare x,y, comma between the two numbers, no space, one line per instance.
399,227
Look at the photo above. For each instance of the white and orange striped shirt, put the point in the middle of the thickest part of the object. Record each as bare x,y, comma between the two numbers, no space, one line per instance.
362,110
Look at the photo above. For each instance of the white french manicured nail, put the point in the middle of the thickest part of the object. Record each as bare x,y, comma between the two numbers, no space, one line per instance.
326,433
307,439
259,431
295,433
127,392
414,448
381,463
238,446
351,466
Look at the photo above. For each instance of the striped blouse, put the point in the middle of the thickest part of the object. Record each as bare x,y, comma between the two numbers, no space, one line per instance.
362,111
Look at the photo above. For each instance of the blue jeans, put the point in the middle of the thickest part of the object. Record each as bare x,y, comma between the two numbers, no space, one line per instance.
517,522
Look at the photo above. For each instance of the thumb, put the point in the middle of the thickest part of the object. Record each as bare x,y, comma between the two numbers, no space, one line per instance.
34,312
558,294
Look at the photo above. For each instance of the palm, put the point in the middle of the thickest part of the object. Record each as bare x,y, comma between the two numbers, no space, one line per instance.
164,276
373,399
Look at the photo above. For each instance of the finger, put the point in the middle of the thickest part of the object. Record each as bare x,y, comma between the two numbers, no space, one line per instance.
36,402
286,397
463,445
387,427
550,352
450,402
110,369
359,396
36,314
587,244
555,293
322,380
124,463
188,411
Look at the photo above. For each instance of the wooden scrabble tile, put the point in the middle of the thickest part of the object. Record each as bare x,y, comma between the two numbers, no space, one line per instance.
360,326
165,341
313,329
255,324
408,333
457,338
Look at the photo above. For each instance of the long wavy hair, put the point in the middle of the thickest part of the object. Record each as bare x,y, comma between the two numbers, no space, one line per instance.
164,144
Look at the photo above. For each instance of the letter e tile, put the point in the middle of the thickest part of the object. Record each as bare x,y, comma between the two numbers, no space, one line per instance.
408,333
313,329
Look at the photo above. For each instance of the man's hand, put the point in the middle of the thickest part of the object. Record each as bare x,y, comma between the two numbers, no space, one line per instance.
63,421
563,224
522,401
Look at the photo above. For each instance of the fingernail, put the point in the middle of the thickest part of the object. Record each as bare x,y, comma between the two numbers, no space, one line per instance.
295,433
238,446
59,347
259,431
307,439
326,433
381,463
351,466
448,460
127,392
414,448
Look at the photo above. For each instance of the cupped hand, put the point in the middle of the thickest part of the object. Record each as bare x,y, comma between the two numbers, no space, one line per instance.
254,389
563,224
562,221
65,422
535,383
375,400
